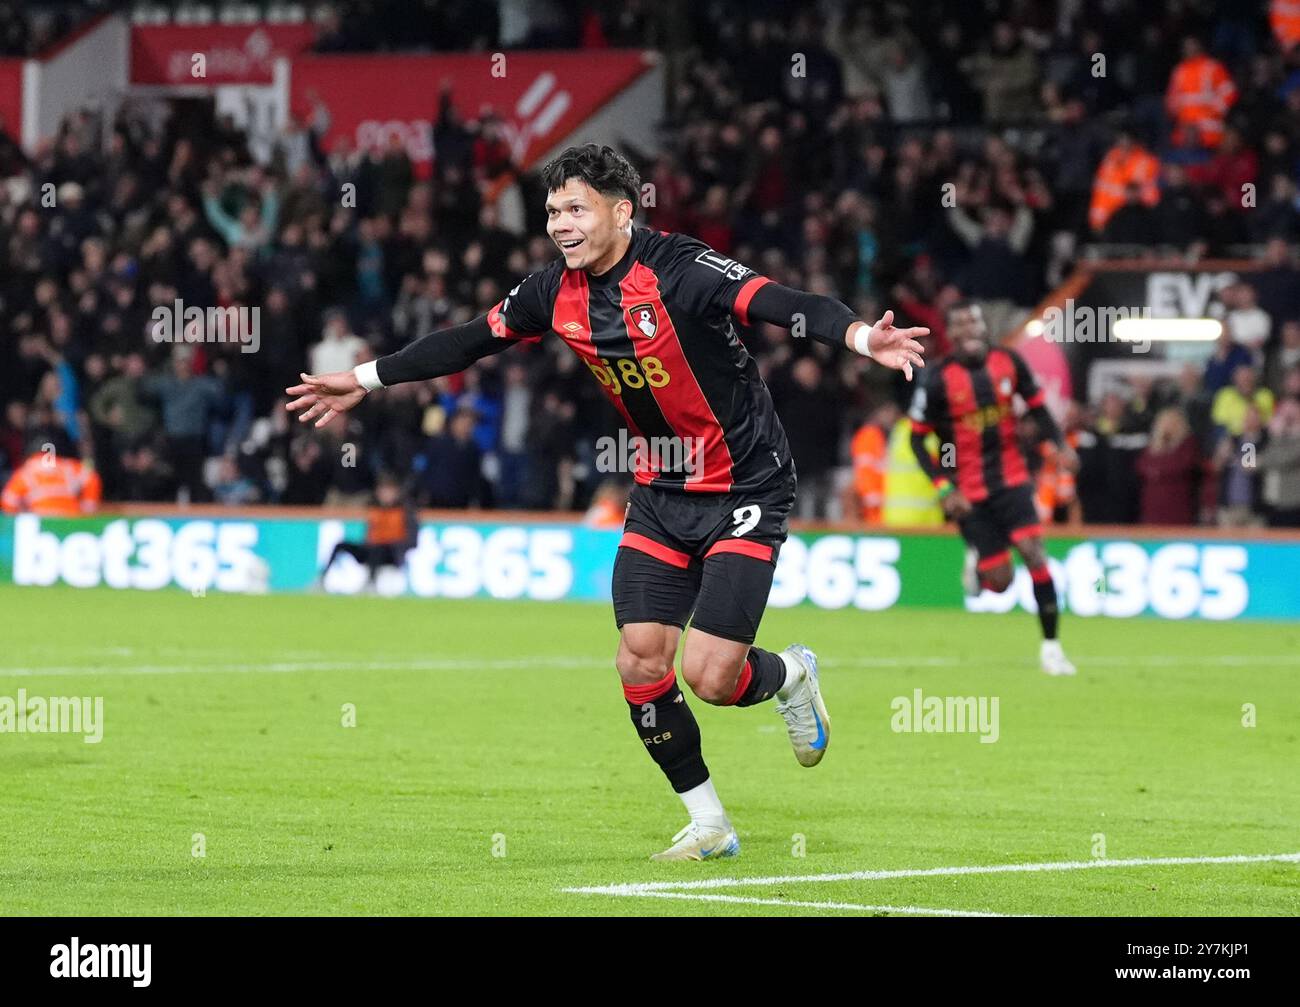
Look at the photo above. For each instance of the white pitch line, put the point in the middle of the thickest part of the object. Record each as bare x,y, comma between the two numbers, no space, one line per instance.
648,887
592,662
854,906
289,667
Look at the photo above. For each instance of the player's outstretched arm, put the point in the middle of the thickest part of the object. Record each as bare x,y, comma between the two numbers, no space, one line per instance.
830,321
321,397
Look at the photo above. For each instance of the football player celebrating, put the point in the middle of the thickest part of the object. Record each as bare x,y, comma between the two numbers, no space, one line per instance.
653,315
967,398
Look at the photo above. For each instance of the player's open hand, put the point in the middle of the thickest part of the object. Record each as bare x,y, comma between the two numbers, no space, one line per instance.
323,396
955,505
894,347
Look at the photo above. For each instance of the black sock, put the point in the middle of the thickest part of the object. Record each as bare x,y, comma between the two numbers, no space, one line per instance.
668,730
1045,595
763,674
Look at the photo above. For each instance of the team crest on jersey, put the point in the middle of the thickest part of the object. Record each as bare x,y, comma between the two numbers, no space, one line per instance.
645,319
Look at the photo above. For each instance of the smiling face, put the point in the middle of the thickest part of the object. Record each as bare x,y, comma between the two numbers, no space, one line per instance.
590,229
968,332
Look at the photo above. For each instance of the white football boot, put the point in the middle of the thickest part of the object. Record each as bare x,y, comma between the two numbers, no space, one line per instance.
702,842
1052,659
801,705
970,578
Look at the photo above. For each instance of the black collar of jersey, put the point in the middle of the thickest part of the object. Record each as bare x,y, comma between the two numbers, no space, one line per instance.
614,275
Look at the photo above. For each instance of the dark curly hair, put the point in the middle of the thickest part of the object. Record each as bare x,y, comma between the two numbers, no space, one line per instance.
600,166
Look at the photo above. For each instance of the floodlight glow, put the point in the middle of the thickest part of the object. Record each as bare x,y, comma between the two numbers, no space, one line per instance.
1167,330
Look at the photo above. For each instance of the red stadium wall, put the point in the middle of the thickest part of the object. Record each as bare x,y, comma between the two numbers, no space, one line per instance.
539,96
234,54
11,97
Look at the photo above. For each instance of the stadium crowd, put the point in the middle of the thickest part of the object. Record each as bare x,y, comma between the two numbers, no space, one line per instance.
831,179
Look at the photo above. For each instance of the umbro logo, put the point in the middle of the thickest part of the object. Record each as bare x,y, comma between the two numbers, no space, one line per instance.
571,327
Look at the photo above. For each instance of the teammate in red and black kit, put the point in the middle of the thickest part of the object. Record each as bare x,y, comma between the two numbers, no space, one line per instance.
653,317
967,399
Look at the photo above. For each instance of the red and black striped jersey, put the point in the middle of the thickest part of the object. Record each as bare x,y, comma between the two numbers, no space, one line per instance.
658,332
971,408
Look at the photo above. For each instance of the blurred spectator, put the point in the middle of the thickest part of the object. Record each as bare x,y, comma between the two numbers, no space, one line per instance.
1247,323
1133,223
869,451
1233,403
997,270
144,477
1232,172
308,474
810,413
1228,357
1236,460
1006,72
339,348
1170,469
231,487
51,482
447,469
1180,215
189,404
608,506
911,500
552,438
1200,93
1280,464
1108,450
1284,18
1287,357
391,530
1127,174
512,456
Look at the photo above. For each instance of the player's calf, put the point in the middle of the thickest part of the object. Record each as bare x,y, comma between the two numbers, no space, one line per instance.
663,720
1051,656
729,672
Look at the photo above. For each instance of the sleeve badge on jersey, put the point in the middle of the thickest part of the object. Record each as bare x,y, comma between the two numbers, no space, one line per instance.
645,319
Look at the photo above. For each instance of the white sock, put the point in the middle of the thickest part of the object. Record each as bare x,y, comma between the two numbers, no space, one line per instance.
703,805
793,669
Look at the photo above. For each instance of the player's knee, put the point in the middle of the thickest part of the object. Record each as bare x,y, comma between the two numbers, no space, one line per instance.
997,578
711,675
644,654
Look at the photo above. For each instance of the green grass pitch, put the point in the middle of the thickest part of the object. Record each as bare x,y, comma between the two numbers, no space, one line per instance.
493,765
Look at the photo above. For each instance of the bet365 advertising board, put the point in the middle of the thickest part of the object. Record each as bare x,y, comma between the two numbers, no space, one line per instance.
1189,578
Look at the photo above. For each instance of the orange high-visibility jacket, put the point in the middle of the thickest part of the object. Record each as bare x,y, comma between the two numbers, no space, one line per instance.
868,450
1284,16
1199,96
1118,170
1056,486
52,487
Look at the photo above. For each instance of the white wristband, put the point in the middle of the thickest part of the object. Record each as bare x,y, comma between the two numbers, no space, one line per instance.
367,375
861,341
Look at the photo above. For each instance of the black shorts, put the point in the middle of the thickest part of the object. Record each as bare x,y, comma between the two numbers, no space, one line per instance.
712,555
1007,516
